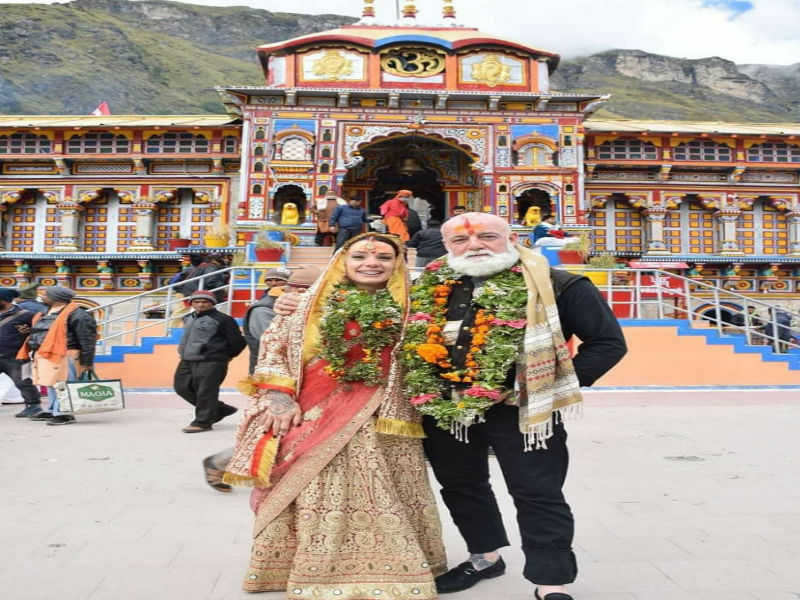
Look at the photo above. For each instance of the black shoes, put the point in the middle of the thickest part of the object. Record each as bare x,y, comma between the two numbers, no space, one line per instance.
465,575
225,410
29,411
61,420
553,596
41,416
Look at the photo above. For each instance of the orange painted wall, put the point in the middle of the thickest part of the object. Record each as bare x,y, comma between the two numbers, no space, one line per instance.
657,356
155,370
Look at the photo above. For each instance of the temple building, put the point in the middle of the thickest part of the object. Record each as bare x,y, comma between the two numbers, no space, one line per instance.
458,116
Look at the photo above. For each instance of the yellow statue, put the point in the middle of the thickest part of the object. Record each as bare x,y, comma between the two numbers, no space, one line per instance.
532,217
289,214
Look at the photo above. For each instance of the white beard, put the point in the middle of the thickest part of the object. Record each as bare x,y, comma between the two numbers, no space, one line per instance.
483,267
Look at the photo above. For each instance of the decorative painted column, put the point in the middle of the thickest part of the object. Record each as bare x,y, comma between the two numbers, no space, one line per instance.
63,273
144,209
655,217
488,193
146,274
70,214
793,224
728,219
3,209
105,273
22,273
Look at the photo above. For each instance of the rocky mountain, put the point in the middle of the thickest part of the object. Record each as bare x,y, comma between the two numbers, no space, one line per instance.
143,57
159,57
646,85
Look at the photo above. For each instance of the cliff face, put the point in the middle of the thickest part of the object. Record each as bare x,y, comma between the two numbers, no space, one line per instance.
654,86
143,57
164,57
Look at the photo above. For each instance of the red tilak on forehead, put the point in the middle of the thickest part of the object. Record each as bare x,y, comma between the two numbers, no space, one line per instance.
468,228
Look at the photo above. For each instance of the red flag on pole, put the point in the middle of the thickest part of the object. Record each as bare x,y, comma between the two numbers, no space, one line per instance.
102,109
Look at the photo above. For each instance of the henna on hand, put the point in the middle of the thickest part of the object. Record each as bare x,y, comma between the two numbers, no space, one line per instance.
280,403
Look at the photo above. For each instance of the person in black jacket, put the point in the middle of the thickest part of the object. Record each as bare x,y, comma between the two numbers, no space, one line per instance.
428,243
208,266
479,247
210,341
15,325
413,222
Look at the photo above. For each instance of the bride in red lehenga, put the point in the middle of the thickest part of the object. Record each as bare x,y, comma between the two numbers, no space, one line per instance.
343,504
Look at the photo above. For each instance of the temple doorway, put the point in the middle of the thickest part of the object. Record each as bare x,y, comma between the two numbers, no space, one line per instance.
535,200
434,171
287,194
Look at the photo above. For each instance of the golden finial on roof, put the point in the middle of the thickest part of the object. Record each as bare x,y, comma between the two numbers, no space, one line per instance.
410,13
368,14
448,12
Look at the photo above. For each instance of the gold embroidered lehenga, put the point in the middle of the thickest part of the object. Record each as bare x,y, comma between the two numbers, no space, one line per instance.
348,512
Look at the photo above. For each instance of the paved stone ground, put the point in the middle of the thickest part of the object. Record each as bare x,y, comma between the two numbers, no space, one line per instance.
677,495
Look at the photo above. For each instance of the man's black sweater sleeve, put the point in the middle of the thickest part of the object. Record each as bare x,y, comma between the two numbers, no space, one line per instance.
236,341
584,313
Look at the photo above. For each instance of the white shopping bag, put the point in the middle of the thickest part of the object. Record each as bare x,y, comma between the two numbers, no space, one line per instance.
93,395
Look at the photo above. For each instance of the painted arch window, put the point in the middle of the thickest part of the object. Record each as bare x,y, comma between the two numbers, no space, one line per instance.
98,143
535,155
627,150
25,143
169,143
293,148
703,150
774,152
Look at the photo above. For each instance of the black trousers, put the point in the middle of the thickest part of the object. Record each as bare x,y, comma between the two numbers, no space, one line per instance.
345,234
198,383
13,368
534,480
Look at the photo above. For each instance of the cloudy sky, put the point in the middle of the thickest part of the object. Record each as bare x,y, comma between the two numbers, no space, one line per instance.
745,31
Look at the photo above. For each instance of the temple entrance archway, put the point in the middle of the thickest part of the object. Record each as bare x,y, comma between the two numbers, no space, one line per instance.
534,197
286,194
433,170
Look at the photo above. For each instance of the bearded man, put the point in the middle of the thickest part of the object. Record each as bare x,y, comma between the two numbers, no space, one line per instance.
523,422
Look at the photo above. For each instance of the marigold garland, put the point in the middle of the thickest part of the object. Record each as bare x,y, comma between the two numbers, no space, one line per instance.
496,337
353,317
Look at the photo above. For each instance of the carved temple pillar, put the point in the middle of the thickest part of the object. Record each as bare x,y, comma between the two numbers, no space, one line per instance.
728,220
23,273
70,215
63,273
793,224
143,238
146,274
654,219
105,273
3,210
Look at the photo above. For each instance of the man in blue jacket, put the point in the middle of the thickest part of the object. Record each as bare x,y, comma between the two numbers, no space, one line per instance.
348,221
210,341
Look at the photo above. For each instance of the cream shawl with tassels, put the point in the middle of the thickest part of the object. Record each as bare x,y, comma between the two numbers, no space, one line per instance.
546,385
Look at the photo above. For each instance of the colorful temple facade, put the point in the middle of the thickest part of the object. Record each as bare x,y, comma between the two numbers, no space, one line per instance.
457,116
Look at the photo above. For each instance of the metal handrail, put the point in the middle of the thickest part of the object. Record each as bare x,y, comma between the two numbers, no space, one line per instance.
135,322
693,294
628,295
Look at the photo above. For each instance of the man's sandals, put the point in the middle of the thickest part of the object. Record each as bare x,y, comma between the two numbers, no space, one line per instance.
214,477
